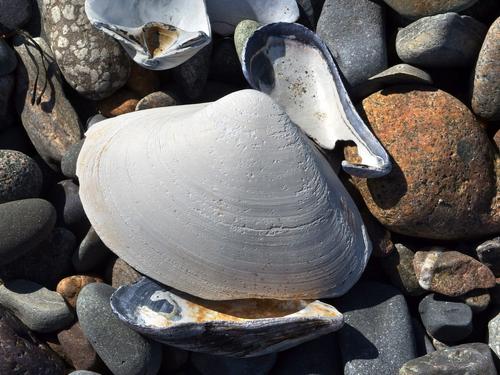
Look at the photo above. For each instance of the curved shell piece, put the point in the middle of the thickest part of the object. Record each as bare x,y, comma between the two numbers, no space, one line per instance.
157,34
226,14
223,200
239,328
291,64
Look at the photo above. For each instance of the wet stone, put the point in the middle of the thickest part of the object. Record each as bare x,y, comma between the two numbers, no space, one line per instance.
20,176
422,8
399,267
208,364
14,14
77,348
68,162
8,59
156,100
489,254
91,254
70,287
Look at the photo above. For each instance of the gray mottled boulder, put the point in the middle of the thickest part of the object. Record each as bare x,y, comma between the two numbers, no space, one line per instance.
444,40
422,8
8,60
208,364
20,176
354,31
93,63
14,14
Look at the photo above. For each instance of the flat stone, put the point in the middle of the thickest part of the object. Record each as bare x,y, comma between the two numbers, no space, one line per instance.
489,254
68,162
436,145
64,195
124,351
354,31
14,14
156,100
192,75
451,273
8,59
22,351
40,309
466,359
494,335
444,40
119,272
7,84
52,124
23,225
208,364
20,176
78,47
486,85
77,348
444,320
121,102
377,337
243,31
91,254
70,287
399,267
422,8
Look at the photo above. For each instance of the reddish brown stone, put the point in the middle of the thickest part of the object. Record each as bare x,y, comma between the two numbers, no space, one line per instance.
443,180
70,287
119,273
143,81
121,102
451,273
78,349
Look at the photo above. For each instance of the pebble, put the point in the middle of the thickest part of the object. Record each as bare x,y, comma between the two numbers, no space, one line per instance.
156,100
122,102
40,309
70,287
91,254
192,75
225,64
478,300
444,320
7,84
399,267
377,337
451,273
312,10
208,364
123,350
53,125
20,176
486,84
64,195
22,351
432,156
8,59
79,50
143,81
14,14
23,225
419,8
68,162
243,31
119,272
77,348
466,359
494,335
444,40
489,254
355,34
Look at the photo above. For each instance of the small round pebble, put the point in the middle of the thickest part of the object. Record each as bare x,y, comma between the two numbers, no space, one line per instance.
20,176
91,254
489,254
399,267
70,287
122,102
8,59
155,100
478,300
243,31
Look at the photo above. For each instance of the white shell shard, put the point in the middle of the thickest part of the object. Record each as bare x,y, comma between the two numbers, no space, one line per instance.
157,34
226,14
239,328
222,200
291,64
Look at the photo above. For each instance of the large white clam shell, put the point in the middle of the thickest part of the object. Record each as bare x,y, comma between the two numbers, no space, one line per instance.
225,200
157,34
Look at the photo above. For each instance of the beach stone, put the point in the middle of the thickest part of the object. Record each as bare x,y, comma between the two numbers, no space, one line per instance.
359,51
91,253
192,75
377,337
312,10
64,195
486,84
143,81
451,273
494,335
119,272
84,372
422,340
121,102
225,65
444,40
173,359
93,63
156,100
478,300
20,176
444,320
399,267
52,125
14,14
70,287
8,59
381,238
94,120
40,309
124,351
243,31
6,111
77,348
22,351
68,162
208,364
466,359
23,225
422,8
443,181
489,254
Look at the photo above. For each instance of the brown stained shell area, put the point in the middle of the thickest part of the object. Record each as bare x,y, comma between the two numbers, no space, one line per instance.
159,38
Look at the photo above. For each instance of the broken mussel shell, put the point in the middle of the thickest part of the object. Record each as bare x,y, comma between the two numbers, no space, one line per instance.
157,34
293,65
239,328
223,200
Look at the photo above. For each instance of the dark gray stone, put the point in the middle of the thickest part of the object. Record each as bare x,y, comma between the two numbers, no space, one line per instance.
192,75
23,225
489,254
20,176
445,40
123,350
8,59
40,309
423,342
225,65
312,10
444,320
91,254
354,32
467,359
399,267
22,353
208,364
14,14
68,162
65,198
155,100
377,337
6,111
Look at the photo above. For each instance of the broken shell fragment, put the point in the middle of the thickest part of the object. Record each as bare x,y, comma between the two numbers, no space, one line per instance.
158,34
239,328
223,200
292,65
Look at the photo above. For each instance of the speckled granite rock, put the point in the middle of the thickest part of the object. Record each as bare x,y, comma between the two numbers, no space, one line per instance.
155,100
478,300
494,335
20,176
422,8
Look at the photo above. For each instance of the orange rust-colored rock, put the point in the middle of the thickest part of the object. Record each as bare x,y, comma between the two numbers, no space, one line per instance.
143,81
70,287
443,184
121,102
